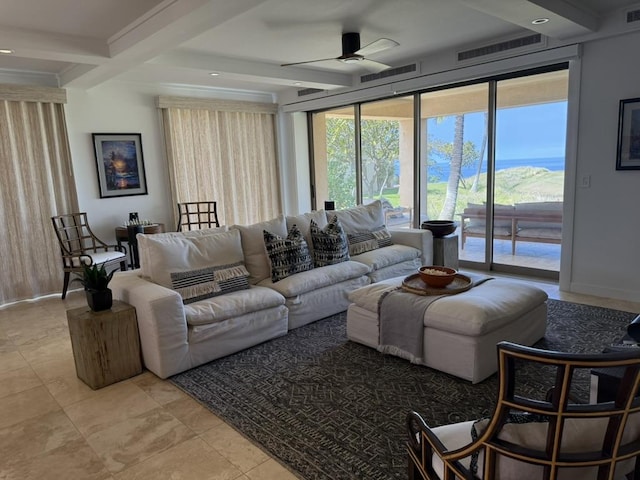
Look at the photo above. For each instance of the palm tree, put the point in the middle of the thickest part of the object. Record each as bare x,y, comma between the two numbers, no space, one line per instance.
449,206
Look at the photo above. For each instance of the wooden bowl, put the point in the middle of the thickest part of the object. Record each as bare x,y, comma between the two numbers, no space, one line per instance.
437,280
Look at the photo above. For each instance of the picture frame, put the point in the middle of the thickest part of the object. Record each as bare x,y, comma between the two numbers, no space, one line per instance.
628,154
119,164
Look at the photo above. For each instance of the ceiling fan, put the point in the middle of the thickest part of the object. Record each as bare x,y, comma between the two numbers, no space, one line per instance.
352,53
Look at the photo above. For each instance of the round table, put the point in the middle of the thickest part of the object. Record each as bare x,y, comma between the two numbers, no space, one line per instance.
122,235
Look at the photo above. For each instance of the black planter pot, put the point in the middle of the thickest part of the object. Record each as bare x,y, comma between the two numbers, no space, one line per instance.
99,300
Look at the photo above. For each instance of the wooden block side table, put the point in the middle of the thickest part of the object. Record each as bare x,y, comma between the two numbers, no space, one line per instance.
106,345
445,251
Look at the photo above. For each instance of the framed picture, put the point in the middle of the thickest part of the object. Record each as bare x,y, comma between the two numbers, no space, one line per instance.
629,135
120,164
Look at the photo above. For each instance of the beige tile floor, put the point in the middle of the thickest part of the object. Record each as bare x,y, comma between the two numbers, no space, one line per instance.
52,426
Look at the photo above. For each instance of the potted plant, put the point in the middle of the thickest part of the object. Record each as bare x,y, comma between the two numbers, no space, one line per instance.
95,280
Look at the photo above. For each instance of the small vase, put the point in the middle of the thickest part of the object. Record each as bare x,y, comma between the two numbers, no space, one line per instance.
99,300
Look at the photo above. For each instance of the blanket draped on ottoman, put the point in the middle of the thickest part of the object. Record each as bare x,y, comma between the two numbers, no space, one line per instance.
401,317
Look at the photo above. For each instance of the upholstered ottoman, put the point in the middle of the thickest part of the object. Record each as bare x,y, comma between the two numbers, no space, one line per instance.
460,331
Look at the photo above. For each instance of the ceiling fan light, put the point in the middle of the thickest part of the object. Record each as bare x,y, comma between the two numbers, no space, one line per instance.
352,59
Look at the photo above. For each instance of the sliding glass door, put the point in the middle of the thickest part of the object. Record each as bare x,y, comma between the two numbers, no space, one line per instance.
490,156
530,138
334,158
364,153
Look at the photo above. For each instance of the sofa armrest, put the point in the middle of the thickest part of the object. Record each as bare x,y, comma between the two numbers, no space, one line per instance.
161,322
416,238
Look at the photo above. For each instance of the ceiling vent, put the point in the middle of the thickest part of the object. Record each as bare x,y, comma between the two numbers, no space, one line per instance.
505,48
309,91
633,16
390,72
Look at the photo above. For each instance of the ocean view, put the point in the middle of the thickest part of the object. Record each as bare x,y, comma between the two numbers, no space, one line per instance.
440,171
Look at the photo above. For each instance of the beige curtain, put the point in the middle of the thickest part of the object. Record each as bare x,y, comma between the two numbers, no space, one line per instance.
36,183
223,151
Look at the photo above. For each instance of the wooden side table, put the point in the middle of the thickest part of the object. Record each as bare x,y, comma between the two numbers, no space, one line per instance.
106,345
445,251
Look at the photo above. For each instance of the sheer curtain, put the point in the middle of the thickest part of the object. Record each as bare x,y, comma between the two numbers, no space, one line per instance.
36,183
223,151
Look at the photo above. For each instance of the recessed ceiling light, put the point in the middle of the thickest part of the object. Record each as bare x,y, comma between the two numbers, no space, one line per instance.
6,51
539,21
214,74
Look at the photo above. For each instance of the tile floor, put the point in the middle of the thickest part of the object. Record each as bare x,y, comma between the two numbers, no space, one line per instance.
52,426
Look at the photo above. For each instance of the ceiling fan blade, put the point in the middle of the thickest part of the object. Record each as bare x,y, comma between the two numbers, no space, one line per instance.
372,66
308,61
377,46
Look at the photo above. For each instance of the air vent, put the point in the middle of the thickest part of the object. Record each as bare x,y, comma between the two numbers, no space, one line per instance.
308,91
389,72
501,47
633,16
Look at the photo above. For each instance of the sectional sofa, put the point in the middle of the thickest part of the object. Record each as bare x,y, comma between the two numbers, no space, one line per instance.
205,294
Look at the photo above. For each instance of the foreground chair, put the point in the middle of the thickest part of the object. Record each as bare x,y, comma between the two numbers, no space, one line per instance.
546,438
79,246
197,215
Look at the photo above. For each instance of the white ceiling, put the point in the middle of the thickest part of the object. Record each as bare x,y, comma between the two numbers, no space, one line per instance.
83,43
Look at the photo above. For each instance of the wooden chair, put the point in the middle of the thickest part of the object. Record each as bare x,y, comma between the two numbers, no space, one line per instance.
197,214
79,246
556,437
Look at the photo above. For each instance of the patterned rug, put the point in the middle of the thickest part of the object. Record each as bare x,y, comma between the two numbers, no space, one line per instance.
332,409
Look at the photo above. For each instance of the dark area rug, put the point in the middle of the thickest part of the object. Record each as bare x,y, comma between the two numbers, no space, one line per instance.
332,409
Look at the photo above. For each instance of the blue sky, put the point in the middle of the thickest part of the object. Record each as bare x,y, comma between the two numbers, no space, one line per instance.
535,131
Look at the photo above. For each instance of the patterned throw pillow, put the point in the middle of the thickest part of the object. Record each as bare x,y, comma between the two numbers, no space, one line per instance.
287,255
194,285
360,242
330,244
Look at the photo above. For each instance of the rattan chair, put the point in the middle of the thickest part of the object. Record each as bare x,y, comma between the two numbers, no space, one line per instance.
552,437
197,215
79,246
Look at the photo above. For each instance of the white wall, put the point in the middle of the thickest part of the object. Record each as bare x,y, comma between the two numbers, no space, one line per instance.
126,108
606,247
117,108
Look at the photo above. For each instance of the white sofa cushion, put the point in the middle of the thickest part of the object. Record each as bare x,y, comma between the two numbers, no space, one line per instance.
235,304
317,278
383,257
255,253
198,266
361,218
143,249
287,256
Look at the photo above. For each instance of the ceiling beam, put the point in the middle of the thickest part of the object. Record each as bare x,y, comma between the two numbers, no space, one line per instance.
252,70
170,24
565,19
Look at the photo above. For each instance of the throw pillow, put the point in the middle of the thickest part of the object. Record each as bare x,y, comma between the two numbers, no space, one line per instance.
330,243
360,242
198,267
255,255
479,426
143,248
360,218
287,255
194,285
